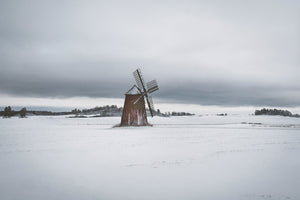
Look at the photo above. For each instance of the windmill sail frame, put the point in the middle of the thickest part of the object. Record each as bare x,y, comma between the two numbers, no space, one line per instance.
151,87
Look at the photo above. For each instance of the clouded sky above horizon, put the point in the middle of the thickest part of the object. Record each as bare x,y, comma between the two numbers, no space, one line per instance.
230,53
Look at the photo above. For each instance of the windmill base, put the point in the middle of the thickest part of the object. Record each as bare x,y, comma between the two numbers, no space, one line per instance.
134,114
119,125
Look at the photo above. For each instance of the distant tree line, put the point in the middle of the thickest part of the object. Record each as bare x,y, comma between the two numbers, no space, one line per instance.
222,114
107,108
113,110
8,112
102,111
266,111
168,114
181,114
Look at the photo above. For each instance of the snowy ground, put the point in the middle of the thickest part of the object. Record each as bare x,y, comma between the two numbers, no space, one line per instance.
208,157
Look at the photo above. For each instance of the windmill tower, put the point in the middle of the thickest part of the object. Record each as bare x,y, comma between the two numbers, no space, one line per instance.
134,111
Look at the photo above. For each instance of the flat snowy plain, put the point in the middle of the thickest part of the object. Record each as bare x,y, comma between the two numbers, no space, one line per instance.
179,158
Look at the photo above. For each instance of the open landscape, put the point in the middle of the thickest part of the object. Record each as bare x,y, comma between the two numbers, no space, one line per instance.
190,157
149,100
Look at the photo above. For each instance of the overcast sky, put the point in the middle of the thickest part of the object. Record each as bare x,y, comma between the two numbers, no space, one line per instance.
226,53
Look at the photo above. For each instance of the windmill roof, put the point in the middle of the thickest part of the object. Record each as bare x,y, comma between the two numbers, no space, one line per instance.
133,90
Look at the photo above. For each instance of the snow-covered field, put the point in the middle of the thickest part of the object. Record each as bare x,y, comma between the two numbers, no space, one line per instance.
210,157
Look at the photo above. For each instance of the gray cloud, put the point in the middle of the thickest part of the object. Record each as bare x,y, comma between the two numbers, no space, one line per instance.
212,53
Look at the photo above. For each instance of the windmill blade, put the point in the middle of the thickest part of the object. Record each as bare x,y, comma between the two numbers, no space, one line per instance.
139,103
152,86
139,79
150,104
151,83
138,99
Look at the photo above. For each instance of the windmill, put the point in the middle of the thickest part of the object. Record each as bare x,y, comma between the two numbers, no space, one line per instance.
134,111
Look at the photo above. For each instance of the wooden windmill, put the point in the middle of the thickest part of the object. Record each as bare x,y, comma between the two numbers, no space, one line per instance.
134,111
